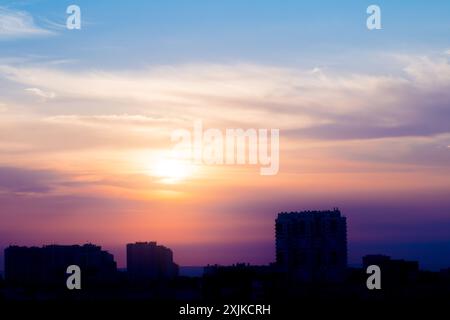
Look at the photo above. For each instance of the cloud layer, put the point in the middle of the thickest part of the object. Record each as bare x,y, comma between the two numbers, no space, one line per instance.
408,108
76,163
19,24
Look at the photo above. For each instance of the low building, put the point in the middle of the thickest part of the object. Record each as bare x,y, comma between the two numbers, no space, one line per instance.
393,271
47,265
147,261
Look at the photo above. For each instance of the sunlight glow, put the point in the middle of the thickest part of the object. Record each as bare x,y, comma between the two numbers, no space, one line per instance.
172,170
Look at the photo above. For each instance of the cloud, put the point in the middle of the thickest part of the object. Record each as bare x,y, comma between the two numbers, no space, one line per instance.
44,95
110,119
19,180
43,135
19,24
369,119
306,104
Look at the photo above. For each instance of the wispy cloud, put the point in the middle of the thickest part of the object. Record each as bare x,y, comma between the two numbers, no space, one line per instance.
373,117
44,95
24,180
19,24
309,104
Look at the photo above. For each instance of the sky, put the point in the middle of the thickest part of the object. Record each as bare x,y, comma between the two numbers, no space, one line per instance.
86,118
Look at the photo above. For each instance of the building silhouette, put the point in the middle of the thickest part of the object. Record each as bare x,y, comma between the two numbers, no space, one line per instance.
147,261
311,266
47,265
311,246
395,272
237,282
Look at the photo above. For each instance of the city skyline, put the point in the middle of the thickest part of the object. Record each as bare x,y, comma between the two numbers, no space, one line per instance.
283,218
86,119
307,240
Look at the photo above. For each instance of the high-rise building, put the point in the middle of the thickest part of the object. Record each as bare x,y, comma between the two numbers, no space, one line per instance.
312,245
47,265
149,261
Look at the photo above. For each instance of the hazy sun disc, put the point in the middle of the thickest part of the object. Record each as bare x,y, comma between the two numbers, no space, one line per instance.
172,170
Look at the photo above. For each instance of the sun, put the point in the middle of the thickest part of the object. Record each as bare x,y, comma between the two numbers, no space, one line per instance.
165,166
172,170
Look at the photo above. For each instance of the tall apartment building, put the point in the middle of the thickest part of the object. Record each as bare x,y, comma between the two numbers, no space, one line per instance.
312,245
149,261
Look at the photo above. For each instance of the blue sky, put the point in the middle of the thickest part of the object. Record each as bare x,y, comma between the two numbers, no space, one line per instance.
123,34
